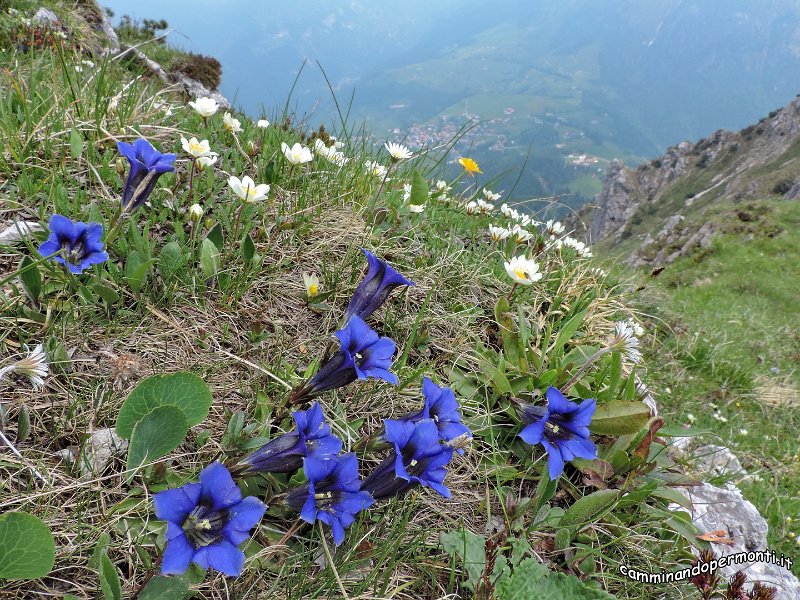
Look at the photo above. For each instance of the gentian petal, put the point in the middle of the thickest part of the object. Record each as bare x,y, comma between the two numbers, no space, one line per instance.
218,488
221,556
176,504
533,433
62,227
557,403
177,556
555,463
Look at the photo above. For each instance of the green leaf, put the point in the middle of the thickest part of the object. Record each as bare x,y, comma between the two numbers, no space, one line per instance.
209,258
616,374
419,189
75,143
470,548
109,579
160,587
170,260
619,418
508,332
27,549
567,331
105,292
23,423
584,509
215,236
680,431
182,390
136,268
557,586
248,248
99,549
31,278
523,583
156,434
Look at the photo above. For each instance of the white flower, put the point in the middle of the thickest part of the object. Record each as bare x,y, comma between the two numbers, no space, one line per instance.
598,272
311,281
638,330
743,431
247,190
206,161
376,169
690,418
520,234
523,270
231,124
88,63
205,107
297,154
499,233
195,212
441,186
484,207
523,219
323,150
719,417
416,208
336,143
406,191
490,195
339,159
554,227
471,207
78,68
397,151
33,366
581,249
195,148
626,342
262,123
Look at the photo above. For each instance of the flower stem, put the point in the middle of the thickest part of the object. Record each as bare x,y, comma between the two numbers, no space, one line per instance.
383,182
513,288
592,359
191,180
236,227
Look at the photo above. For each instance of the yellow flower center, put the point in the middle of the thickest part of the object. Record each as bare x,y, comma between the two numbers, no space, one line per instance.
313,289
520,273
250,192
196,148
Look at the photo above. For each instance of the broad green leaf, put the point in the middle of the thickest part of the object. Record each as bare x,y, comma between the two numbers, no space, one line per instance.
160,587
109,579
31,278
75,143
248,248
215,236
185,391
558,586
680,431
508,332
209,258
136,268
170,260
23,423
619,418
584,509
563,538
470,548
523,583
156,434
616,374
105,292
419,190
99,549
27,549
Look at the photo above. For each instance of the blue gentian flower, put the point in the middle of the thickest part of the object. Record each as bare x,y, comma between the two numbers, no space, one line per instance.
417,458
146,162
333,494
562,428
363,353
206,523
312,441
441,406
373,291
76,245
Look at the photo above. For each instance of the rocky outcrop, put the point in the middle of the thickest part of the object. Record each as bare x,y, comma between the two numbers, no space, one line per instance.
756,161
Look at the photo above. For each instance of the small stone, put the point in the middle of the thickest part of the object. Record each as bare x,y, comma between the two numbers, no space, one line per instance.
46,18
98,451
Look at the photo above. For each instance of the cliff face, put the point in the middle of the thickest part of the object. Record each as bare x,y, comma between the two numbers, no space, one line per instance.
759,161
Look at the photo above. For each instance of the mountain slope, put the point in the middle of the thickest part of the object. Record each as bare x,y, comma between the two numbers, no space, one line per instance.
665,208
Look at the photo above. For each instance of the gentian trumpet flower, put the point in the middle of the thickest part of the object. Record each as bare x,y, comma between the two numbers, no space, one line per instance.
311,442
417,458
562,428
375,288
442,407
147,165
206,523
333,494
362,354
76,245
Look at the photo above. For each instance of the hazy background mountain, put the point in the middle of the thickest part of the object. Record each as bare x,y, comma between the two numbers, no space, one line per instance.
565,78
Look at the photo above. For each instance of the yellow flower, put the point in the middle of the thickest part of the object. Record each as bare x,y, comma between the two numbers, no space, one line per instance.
470,166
